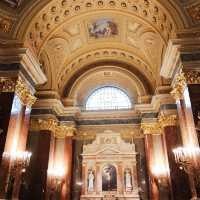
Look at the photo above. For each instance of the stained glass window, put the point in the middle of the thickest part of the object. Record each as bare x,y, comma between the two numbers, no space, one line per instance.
108,98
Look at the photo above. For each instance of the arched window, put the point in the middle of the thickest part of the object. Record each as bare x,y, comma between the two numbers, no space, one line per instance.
108,98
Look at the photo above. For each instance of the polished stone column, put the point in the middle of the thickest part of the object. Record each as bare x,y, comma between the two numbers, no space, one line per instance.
153,188
158,169
16,138
36,177
171,133
188,132
66,188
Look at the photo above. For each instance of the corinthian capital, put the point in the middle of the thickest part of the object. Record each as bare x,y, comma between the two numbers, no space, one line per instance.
24,93
179,86
167,120
153,128
58,130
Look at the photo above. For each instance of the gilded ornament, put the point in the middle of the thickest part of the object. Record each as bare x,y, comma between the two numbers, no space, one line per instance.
7,84
5,25
179,86
194,12
192,77
58,130
24,93
153,128
167,120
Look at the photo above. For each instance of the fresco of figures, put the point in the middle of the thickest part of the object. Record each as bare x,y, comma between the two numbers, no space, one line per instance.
103,28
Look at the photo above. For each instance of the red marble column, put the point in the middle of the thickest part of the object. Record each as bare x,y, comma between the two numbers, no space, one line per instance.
153,187
66,188
186,120
15,141
173,140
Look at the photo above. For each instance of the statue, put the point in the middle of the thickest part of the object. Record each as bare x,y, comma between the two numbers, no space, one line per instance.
128,180
90,181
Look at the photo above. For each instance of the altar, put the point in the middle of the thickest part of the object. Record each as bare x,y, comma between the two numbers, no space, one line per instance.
109,169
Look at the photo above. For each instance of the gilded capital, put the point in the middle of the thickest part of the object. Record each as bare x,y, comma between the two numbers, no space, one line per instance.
153,128
24,93
192,77
167,120
179,86
58,130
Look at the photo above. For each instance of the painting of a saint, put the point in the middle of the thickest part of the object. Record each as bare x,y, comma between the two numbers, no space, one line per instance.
103,28
109,178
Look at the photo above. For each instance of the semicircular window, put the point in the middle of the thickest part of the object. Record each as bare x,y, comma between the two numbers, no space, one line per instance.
108,98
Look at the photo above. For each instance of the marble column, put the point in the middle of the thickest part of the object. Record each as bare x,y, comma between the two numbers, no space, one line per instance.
10,173
66,188
154,193
171,133
156,157
188,132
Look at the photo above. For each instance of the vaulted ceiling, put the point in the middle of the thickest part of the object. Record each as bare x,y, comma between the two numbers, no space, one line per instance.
70,37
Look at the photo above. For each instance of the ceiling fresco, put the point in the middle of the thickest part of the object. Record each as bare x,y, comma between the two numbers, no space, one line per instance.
69,36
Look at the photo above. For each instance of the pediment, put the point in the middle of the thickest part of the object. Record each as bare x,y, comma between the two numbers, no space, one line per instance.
108,151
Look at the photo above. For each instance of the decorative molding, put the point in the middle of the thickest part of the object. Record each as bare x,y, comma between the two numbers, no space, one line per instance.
5,25
179,86
192,77
194,12
24,93
14,3
59,130
153,128
7,84
85,135
167,120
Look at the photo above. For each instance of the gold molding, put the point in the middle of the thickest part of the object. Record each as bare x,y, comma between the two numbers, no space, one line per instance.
153,128
5,25
192,77
85,135
179,86
22,91
58,130
167,120
7,84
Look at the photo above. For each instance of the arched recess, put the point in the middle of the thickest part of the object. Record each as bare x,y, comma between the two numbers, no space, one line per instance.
87,78
101,76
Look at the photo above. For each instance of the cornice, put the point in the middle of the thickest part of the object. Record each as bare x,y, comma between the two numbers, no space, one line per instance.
13,52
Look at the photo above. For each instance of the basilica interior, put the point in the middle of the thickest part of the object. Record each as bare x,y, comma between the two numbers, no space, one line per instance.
99,99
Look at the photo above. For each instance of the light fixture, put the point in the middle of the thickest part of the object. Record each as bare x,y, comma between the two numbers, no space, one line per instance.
188,160
187,156
56,176
18,161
